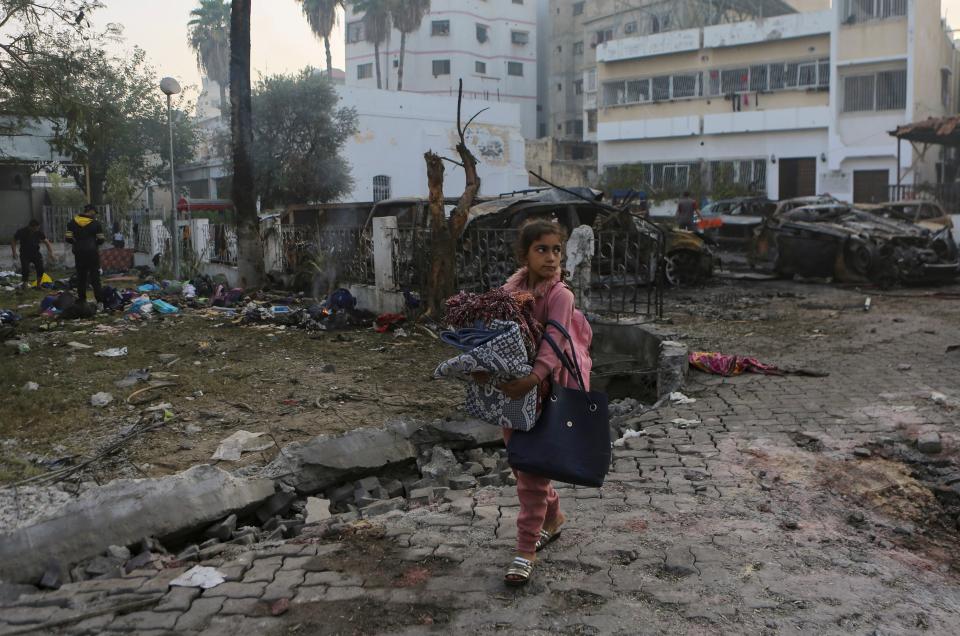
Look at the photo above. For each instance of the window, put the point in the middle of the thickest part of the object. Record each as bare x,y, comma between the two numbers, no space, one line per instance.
578,87
892,90
856,11
859,93
517,1
483,33
603,35
578,8
365,71
355,31
441,67
480,67
574,127
735,80
638,91
381,187
591,76
660,87
520,37
515,69
592,121
578,48
945,92
440,27
751,173
685,85
886,90
630,27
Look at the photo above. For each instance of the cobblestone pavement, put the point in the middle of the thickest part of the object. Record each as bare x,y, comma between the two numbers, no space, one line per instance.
771,505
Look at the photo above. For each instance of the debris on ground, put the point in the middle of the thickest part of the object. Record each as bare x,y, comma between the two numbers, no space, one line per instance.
116,352
199,576
101,399
241,442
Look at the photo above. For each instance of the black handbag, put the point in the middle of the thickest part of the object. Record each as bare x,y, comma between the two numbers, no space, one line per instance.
570,442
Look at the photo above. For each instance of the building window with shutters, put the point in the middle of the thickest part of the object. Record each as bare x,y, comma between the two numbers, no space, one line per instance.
886,90
515,69
441,67
381,187
365,71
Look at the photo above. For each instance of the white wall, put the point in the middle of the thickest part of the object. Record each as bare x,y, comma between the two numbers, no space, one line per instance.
463,50
396,129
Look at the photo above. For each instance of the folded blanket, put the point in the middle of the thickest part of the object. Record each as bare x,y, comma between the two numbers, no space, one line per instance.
503,357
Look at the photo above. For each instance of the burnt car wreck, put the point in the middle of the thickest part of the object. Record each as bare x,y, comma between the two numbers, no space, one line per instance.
847,244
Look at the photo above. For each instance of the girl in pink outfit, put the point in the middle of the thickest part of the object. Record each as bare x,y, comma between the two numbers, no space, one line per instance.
540,251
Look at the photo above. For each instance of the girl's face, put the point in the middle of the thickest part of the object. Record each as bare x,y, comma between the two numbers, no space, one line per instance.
545,256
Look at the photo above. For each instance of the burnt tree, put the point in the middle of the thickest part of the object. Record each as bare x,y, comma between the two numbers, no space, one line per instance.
445,232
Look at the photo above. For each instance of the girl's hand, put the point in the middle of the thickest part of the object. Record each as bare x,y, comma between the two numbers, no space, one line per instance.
516,389
481,377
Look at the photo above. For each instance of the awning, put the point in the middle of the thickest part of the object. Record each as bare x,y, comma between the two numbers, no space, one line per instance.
941,131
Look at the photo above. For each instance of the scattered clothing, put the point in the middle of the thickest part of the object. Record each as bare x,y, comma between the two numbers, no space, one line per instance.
728,365
388,322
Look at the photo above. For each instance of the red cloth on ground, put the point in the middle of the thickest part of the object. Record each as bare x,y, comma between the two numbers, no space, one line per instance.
727,365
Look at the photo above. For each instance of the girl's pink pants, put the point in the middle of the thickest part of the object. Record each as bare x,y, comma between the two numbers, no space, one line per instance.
539,502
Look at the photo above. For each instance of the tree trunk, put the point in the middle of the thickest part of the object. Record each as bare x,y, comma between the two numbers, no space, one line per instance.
326,45
224,111
403,52
443,246
249,245
376,59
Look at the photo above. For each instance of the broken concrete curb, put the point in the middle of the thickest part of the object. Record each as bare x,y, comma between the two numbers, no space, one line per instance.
326,461
123,512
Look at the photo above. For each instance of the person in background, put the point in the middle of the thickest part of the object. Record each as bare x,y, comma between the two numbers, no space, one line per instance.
85,234
29,239
118,240
687,209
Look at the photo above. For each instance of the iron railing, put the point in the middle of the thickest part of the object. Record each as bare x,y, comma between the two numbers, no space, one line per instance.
338,255
946,194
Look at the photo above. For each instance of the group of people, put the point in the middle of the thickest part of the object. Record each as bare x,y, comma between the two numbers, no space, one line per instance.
85,235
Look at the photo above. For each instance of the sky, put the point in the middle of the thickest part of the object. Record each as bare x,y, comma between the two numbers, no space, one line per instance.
281,39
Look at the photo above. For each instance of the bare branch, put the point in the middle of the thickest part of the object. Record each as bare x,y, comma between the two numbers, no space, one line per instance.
467,127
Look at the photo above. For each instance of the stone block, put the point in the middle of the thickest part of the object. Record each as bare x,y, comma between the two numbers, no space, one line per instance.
237,590
178,599
121,513
462,482
383,507
200,613
930,443
222,530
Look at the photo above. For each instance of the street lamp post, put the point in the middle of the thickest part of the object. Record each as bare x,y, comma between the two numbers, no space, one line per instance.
171,87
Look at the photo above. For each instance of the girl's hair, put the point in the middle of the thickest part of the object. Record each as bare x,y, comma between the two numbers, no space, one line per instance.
532,230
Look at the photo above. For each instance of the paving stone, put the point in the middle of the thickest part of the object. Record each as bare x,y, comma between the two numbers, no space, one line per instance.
263,569
178,599
27,615
679,562
284,585
332,579
310,594
202,610
244,607
139,622
237,590
160,582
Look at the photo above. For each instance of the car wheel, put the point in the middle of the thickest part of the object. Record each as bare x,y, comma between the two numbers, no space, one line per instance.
681,269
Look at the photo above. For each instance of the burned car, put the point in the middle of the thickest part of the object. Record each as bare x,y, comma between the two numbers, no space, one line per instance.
927,214
842,242
626,242
733,221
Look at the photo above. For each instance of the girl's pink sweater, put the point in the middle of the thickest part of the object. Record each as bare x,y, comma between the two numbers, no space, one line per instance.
555,301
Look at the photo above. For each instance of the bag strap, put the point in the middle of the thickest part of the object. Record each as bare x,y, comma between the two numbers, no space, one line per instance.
575,361
572,368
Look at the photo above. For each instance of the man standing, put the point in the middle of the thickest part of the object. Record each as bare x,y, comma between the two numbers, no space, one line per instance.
85,233
29,238
686,212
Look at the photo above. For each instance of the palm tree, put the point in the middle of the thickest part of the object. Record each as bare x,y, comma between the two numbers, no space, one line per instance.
249,245
209,37
376,26
407,16
322,16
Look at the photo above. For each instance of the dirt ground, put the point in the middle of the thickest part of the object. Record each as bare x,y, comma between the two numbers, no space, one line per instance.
224,377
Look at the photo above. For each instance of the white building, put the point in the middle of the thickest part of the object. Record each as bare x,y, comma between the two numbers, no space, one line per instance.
386,153
490,44
394,132
792,105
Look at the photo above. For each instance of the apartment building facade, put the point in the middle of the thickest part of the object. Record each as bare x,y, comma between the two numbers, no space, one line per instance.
791,105
490,44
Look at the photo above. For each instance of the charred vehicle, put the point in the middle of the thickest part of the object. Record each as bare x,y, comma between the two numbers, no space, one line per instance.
733,221
847,244
625,241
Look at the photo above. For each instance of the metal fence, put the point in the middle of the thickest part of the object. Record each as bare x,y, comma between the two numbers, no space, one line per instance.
221,243
336,255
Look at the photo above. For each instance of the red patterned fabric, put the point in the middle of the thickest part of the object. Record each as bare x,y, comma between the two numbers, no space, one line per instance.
116,260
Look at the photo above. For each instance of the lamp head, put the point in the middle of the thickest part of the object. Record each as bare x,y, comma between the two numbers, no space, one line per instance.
170,86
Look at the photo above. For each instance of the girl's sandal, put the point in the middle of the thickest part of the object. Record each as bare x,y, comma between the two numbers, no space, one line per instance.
519,572
547,537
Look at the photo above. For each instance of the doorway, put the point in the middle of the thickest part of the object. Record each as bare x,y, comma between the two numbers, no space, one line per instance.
871,186
798,178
